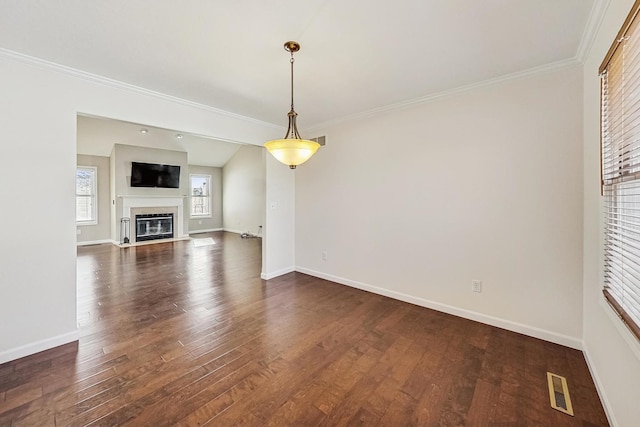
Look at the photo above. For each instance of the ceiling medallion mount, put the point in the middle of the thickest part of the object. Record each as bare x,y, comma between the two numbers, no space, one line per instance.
292,46
292,150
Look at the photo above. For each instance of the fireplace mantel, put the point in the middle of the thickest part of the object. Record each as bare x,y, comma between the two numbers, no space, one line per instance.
152,201
149,196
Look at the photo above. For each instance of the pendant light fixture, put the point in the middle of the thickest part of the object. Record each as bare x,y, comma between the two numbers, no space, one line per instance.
292,150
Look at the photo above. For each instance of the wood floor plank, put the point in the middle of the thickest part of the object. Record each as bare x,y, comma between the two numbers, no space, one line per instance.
20,395
400,411
240,391
298,408
461,392
425,370
302,391
53,402
186,398
173,334
436,394
341,401
316,359
483,405
379,400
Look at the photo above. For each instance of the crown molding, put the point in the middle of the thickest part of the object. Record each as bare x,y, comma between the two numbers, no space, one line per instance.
94,78
596,16
554,66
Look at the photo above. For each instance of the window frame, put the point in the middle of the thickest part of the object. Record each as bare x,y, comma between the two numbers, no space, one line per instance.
619,173
208,196
93,196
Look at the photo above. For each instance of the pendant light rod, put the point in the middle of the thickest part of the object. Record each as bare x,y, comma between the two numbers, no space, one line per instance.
292,61
292,130
292,150
292,47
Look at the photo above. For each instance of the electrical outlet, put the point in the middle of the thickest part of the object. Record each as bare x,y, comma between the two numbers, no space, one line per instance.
324,255
476,285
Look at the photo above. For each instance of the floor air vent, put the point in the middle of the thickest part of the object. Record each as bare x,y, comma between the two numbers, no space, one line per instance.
559,393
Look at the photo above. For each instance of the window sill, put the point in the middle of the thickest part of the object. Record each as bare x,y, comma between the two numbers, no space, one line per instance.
625,333
83,223
200,216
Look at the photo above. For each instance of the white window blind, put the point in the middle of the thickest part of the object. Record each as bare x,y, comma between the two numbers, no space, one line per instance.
86,200
620,140
200,195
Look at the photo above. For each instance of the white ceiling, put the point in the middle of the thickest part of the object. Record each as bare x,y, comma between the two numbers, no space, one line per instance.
357,55
96,136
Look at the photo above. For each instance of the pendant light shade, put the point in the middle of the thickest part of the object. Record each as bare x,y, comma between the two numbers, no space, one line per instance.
292,150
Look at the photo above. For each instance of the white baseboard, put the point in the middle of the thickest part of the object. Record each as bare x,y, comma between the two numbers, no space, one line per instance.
229,230
251,233
271,275
599,387
456,311
38,346
210,230
152,242
96,242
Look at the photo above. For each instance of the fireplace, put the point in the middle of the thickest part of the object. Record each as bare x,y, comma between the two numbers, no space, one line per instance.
154,226
154,207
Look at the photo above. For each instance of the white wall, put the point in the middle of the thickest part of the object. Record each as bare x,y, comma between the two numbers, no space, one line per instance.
38,260
612,352
100,232
122,157
126,154
243,191
278,242
486,185
37,253
215,221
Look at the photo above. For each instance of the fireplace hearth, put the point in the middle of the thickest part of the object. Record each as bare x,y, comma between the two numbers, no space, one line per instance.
154,226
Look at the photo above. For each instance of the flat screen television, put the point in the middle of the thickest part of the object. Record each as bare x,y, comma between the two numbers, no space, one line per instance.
154,175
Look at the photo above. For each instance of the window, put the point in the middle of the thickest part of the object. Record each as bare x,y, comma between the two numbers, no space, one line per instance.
620,170
86,195
200,190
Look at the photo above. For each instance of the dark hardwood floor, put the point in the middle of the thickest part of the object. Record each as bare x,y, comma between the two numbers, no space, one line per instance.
177,334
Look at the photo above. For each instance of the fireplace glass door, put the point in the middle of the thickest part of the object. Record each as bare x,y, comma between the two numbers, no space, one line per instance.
154,226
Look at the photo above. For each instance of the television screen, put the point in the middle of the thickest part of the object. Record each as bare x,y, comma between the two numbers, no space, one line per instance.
154,175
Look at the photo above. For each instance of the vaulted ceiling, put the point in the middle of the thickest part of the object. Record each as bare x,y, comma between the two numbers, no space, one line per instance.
356,56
